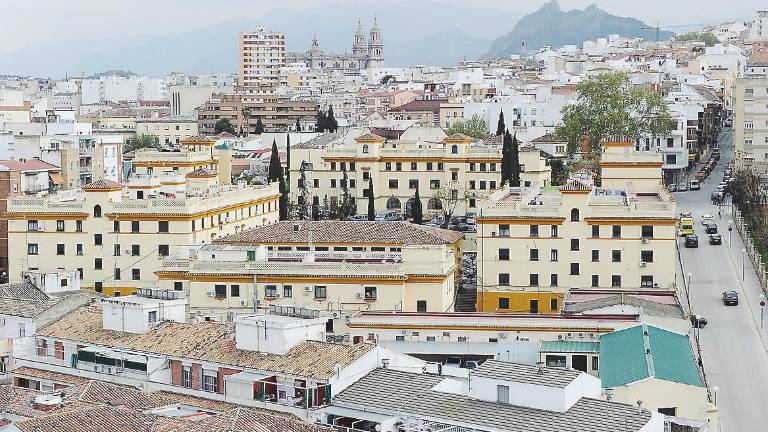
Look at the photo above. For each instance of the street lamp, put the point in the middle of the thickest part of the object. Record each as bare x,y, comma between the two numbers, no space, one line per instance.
688,291
762,311
715,389
743,262
730,230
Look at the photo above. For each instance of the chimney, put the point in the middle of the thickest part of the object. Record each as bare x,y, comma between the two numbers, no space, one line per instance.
585,148
47,402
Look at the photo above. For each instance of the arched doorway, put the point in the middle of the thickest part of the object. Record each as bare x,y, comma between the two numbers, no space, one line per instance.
393,203
434,204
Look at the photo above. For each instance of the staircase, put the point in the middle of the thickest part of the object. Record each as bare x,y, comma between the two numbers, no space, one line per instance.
466,298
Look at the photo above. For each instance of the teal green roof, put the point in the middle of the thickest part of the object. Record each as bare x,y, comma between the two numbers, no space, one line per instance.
222,146
623,357
570,346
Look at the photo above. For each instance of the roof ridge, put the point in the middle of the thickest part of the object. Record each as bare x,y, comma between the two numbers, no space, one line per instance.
648,352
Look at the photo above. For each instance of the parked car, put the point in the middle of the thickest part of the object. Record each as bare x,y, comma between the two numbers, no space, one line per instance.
715,239
672,187
716,197
686,214
711,228
707,219
730,298
389,216
728,123
681,187
357,218
695,185
692,241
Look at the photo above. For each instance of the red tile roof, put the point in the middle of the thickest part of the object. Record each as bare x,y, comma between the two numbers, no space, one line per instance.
30,165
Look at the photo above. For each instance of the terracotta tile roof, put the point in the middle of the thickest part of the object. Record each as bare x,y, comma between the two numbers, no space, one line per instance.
24,300
547,138
102,185
575,185
209,341
247,420
101,419
420,106
29,372
198,139
400,233
201,172
30,165
369,137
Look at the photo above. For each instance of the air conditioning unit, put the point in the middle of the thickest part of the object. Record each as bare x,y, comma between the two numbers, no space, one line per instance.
127,251
643,263
493,233
559,337
210,294
502,335
655,284
336,314
644,241
242,302
405,332
359,295
40,343
307,288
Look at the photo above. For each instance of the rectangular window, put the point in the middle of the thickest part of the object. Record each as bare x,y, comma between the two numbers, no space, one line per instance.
595,231
553,279
534,231
503,254
616,231
595,255
393,183
163,250
429,166
414,166
320,292
287,291
615,256
553,304
135,250
234,290
533,279
270,291
493,166
79,249
595,362
503,302
595,281
502,394
117,249
333,183
220,291
117,274
616,281
59,225
421,305
210,381
136,274
504,279
574,244
471,166
135,226
574,269
504,230
555,360
32,249
482,185
646,256
413,184
162,226
178,286
647,231
97,264
60,249
79,226
398,166
533,255
370,293
554,230
646,281
553,254
440,166
434,184
388,166
97,239
116,226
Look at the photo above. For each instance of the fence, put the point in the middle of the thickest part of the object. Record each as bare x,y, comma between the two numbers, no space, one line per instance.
758,261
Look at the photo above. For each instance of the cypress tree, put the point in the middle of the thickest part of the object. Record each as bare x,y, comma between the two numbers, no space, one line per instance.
371,206
259,128
514,179
331,122
501,128
315,208
283,200
275,169
288,160
347,207
320,125
416,210
506,150
298,125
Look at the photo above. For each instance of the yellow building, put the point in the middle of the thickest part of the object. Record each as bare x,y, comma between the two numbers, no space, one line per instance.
116,235
536,243
454,171
167,130
332,266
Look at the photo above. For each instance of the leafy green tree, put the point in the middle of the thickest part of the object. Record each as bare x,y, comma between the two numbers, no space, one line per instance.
514,161
275,169
387,78
371,205
224,125
259,128
334,210
506,158
474,127
559,172
246,113
501,127
331,124
708,38
141,141
610,105
416,210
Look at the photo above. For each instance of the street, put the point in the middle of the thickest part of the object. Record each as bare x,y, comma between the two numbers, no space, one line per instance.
734,353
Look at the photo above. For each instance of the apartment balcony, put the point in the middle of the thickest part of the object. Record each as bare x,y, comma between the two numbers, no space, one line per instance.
148,156
24,204
328,269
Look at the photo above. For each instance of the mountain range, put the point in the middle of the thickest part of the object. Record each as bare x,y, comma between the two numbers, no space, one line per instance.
551,26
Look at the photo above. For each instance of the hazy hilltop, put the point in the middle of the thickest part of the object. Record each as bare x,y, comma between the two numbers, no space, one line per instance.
418,34
551,26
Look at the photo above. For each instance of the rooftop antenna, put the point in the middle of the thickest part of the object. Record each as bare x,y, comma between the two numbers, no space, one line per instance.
657,28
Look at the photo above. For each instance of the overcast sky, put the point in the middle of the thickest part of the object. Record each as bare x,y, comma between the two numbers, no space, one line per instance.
36,22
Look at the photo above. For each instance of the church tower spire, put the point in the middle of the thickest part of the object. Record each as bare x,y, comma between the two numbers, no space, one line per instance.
375,47
358,47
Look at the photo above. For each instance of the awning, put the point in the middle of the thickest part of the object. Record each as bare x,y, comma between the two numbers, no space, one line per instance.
56,178
247,377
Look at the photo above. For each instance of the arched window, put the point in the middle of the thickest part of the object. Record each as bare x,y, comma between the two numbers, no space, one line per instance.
434,204
574,215
365,148
97,211
454,149
393,203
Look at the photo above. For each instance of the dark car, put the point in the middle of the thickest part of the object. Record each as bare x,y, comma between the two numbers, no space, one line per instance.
715,239
711,228
692,241
730,298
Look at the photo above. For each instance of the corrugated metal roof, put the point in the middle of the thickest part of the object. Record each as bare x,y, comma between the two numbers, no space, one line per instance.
644,351
570,346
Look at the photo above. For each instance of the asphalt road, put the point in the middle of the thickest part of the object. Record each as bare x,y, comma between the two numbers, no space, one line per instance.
733,346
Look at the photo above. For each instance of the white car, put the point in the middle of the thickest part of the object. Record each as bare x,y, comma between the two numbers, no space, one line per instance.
707,219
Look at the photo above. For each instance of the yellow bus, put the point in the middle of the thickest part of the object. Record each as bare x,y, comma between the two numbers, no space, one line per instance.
686,226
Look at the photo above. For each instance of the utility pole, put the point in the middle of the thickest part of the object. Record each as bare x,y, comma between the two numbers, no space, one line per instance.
657,28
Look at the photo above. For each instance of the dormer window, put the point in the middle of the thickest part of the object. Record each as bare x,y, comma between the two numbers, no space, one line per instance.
454,149
365,148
